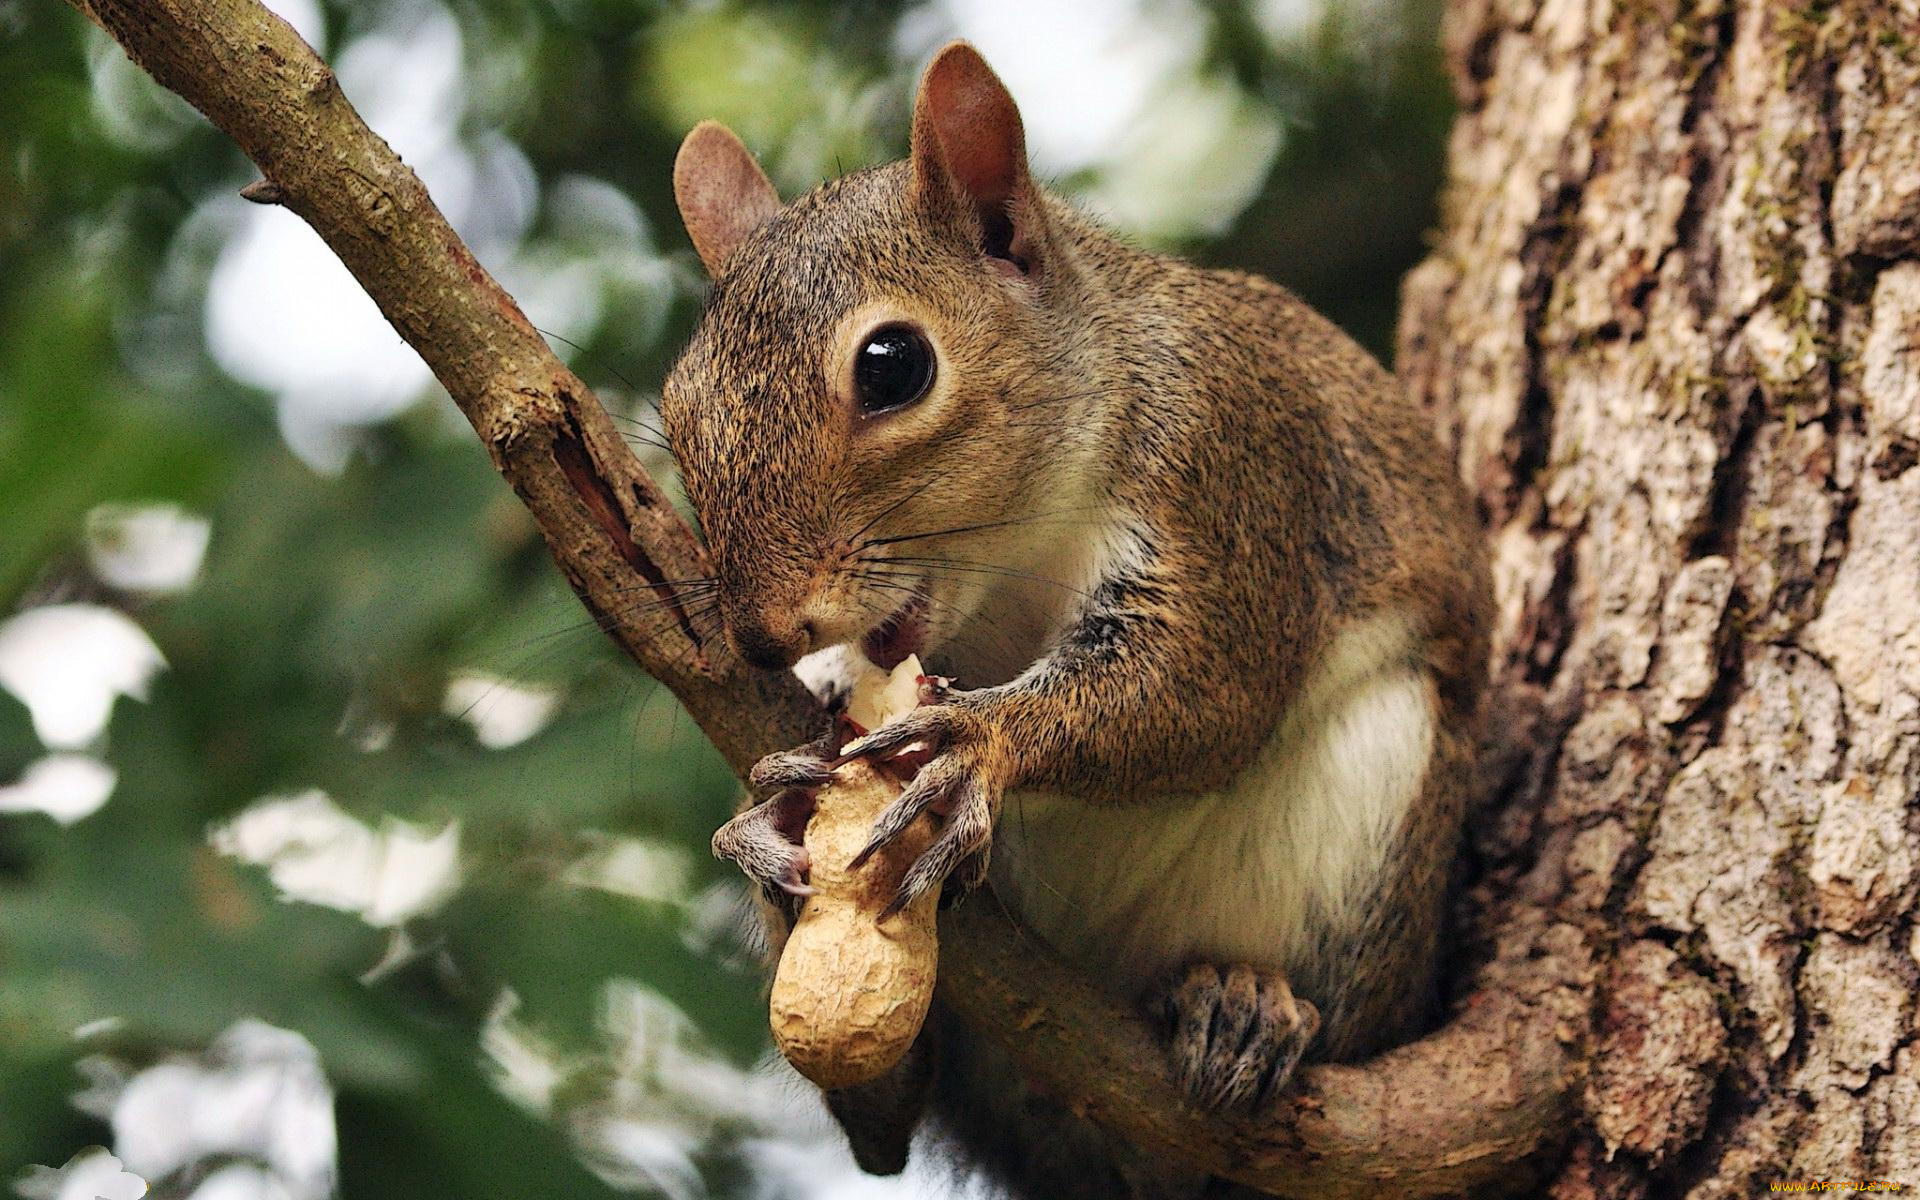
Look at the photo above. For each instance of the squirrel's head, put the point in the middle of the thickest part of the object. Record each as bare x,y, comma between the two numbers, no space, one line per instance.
866,388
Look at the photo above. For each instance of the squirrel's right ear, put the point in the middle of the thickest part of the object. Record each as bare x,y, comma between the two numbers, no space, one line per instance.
722,192
969,147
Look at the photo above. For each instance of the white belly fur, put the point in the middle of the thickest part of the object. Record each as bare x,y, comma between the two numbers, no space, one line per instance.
1239,875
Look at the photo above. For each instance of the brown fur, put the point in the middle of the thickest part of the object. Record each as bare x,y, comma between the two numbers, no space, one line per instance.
1273,481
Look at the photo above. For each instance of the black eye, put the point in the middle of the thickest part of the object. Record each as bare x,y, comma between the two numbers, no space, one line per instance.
893,369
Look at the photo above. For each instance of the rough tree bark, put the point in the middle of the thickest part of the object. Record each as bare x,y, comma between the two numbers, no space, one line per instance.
1671,325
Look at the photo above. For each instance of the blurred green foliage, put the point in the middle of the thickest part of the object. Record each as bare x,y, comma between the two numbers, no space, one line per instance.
315,648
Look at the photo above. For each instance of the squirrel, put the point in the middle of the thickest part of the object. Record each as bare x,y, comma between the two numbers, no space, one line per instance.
1214,602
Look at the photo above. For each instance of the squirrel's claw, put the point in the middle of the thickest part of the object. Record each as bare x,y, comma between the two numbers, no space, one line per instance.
1237,1033
805,767
765,843
960,782
932,726
932,789
801,768
963,846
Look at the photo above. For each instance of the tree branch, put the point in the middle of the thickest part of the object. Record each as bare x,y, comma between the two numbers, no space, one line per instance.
1460,1111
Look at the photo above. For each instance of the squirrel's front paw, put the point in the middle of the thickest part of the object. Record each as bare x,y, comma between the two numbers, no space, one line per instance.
1237,1033
961,781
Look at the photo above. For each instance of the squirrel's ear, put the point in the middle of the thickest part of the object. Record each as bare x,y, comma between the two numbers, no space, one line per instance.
969,147
722,192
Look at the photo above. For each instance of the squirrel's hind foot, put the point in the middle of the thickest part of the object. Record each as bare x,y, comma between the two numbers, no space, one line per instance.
1235,1033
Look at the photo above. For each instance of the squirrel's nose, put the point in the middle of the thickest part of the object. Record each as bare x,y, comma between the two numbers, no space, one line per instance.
768,648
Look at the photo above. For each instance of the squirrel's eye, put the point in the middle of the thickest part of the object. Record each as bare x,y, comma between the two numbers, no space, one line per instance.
893,369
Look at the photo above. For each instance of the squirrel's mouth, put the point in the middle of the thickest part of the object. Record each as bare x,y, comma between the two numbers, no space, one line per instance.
905,632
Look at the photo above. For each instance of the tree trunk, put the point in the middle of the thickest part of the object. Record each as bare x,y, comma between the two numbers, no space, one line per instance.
1670,325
